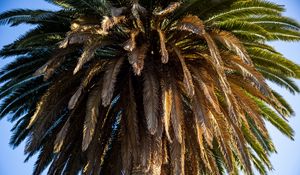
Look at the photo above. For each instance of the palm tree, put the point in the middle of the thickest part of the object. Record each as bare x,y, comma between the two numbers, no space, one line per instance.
148,87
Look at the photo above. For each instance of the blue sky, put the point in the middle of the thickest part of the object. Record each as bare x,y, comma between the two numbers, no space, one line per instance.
286,162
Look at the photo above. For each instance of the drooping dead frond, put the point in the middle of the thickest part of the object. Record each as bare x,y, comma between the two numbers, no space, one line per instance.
250,108
74,38
43,117
95,151
130,45
201,143
94,70
192,24
55,62
169,9
60,138
167,101
130,131
137,58
156,156
110,22
163,48
92,113
49,68
177,155
222,79
203,124
247,86
73,101
177,115
145,153
87,55
109,80
233,44
150,100
255,77
187,79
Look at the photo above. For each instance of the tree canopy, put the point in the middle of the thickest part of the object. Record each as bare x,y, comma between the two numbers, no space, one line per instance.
148,86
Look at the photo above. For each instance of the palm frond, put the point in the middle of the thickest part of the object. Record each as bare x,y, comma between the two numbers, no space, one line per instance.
110,78
150,100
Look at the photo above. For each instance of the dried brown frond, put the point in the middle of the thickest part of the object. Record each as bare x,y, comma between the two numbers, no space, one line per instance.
95,69
95,150
49,68
169,9
167,106
130,132
232,43
250,108
92,114
60,138
187,77
130,45
156,156
73,101
163,48
87,55
191,24
151,99
248,72
177,156
110,22
137,58
109,80
74,38
177,115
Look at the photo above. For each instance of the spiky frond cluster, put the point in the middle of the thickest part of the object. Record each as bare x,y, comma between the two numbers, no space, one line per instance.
149,87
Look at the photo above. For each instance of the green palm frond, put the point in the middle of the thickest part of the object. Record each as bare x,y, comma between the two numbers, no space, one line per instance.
247,8
27,16
279,79
275,119
269,21
275,57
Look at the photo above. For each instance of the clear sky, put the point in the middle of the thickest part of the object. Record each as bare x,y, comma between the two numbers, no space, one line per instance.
286,162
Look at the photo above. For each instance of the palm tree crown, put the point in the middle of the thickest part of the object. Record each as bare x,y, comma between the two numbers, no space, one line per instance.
148,86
